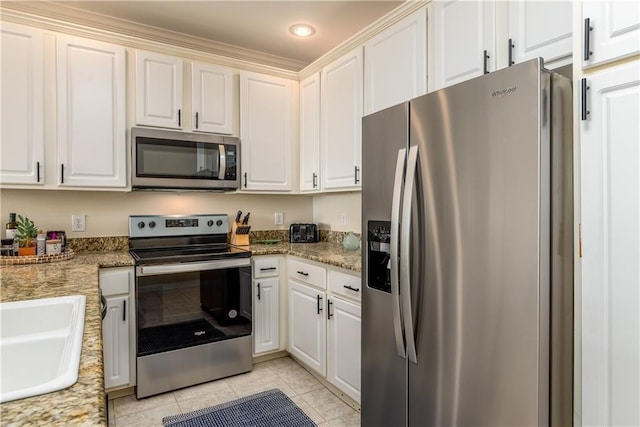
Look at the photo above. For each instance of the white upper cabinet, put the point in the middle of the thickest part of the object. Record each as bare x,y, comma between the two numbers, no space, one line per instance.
610,228
22,122
341,121
159,90
611,30
211,97
91,113
395,63
463,40
310,133
540,29
265,132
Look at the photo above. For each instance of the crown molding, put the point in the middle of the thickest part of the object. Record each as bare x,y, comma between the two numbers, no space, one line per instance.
364,35
69,20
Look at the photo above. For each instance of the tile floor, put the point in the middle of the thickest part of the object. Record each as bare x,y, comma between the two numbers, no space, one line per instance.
322,406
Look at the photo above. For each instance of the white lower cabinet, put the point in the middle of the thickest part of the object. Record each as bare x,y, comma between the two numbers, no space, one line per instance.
343,350
324,322
307,326
118,333
266,304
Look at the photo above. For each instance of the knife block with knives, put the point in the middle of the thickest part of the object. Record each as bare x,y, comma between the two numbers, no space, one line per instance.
240,230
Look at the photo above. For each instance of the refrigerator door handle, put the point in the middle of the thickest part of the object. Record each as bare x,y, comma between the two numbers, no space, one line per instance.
395,226
405,250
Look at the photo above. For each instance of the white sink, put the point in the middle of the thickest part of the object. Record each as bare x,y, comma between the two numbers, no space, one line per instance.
40,345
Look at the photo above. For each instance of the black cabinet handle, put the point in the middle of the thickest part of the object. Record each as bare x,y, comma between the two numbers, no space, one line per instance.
303,273
258,290
485,57
329,303
587,39
351,288
124,310
319,304
245,180
356,174
179,117
37,171
196,120
268,268
103,302
315,180
62,173
511,46
583,95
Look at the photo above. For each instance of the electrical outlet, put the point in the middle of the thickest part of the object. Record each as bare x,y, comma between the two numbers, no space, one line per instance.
279,218
343,218
78,222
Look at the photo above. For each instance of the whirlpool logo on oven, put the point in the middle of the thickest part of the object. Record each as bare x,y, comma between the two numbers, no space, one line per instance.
502,92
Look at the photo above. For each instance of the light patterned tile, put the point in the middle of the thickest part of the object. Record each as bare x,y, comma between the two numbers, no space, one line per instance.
327,404
112,414
352,420
149,417
205,401
218,388
247,388
307,409
303,382
129,404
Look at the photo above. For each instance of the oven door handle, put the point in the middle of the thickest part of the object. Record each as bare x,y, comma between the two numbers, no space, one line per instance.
156,270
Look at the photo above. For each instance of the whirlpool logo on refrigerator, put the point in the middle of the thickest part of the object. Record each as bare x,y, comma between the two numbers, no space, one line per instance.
502,92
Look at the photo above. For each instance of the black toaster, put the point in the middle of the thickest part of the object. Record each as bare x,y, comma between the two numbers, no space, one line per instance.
303,233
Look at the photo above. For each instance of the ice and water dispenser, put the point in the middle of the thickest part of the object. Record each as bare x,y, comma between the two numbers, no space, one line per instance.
378,254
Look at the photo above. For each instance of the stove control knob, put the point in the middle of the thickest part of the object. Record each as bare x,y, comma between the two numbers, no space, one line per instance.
141,225
219,222
210,222
152,224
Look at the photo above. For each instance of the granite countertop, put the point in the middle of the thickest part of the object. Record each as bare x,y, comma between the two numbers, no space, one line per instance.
84,402
324,252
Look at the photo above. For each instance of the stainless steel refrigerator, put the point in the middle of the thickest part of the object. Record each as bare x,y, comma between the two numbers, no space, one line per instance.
467,215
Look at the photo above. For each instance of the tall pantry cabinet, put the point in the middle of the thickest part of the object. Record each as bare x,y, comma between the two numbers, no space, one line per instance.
608,111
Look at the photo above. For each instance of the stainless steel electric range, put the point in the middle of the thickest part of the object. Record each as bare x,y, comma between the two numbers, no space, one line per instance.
193,301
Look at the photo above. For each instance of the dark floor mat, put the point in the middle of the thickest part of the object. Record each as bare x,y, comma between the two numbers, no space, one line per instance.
178,335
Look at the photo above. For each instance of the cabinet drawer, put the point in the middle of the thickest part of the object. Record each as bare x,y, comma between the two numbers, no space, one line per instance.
345,284
266,267
309,273
116,281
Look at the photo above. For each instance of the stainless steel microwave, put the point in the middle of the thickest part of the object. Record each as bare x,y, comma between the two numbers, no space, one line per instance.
164,159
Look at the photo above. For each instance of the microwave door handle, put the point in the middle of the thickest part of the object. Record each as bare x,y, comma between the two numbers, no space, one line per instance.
222,161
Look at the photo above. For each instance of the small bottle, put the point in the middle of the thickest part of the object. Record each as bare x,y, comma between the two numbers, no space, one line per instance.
11,226
41,240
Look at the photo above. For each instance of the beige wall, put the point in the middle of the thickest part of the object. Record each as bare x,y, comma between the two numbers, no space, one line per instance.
328,208
107,212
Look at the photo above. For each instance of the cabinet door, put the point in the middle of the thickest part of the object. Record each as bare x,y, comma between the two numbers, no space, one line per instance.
307,326
158,90
91,113
615,30
395,67
265,132
344,346
115,337
540,29
310,133
610,228
341,121
267,308
212,88
22,119
463,32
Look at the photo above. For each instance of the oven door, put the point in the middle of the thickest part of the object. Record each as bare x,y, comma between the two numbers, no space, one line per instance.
189,304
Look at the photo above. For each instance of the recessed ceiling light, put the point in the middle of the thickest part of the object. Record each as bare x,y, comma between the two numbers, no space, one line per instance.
302,30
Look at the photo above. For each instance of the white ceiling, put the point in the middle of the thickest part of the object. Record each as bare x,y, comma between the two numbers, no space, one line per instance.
257,25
